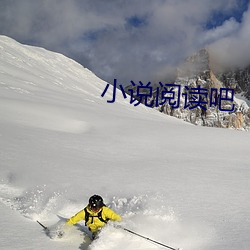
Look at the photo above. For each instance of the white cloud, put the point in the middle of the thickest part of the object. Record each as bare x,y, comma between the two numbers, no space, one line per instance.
228,28
97,33
233,50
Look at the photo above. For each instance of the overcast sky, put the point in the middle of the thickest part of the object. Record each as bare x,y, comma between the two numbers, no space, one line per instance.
131,39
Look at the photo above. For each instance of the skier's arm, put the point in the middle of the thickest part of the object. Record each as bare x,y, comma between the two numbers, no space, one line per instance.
77,217
110,214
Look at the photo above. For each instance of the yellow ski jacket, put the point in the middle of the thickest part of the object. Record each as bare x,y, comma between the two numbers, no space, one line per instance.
94,223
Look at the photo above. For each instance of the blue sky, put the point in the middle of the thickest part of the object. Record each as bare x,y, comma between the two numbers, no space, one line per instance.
133,39
218,17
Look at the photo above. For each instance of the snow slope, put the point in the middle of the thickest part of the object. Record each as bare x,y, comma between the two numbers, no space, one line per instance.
61,142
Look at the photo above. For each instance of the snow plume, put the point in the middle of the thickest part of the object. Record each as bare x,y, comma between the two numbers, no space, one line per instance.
147,215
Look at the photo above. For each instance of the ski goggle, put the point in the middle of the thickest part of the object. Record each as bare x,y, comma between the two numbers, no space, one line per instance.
94,208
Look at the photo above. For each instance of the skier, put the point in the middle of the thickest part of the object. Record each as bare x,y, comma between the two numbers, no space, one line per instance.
95,214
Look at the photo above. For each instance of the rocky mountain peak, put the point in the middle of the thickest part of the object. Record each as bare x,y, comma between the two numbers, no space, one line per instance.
201,70
214,110
197,64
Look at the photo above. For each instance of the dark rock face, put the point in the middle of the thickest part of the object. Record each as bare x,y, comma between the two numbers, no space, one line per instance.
238,78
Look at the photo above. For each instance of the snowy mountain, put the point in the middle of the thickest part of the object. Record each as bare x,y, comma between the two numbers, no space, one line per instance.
199,70
182,185
198,90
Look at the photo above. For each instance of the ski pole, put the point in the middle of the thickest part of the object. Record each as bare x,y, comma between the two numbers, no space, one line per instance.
45,228
146,238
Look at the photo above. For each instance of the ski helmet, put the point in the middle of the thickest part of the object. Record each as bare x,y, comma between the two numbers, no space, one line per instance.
95,202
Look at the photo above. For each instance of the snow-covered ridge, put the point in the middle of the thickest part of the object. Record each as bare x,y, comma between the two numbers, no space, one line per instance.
33,74
48,67
27,70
